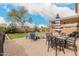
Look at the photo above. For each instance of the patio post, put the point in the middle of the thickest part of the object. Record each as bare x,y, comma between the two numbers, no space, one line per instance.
78,28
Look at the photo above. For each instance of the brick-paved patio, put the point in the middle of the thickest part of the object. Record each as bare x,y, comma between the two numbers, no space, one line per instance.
27,47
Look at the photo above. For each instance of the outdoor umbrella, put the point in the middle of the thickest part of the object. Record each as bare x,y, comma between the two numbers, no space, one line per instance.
57,23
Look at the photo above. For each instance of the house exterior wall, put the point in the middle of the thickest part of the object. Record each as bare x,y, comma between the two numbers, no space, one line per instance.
66,28
71,22
77,8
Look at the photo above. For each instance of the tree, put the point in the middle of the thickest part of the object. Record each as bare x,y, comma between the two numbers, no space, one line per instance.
11,29
18,15
36,29
30,20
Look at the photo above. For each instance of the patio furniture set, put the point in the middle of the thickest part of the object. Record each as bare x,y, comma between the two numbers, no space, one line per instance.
61,42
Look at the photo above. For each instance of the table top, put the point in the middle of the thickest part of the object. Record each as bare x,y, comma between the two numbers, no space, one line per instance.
61,37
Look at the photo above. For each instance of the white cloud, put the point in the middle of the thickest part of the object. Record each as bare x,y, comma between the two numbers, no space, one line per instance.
6,8
31,25
65,11
48,11
2,21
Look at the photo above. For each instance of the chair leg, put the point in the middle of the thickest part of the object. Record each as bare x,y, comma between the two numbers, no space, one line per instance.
75,50
63,49
65,44
48,46
56,51
60,48
52,44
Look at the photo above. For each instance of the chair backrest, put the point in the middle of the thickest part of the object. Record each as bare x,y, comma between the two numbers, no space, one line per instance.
48,36
75,38
63,34
72,40
73,34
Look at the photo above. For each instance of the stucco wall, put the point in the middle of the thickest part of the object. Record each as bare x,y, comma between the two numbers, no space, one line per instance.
67,28
78,8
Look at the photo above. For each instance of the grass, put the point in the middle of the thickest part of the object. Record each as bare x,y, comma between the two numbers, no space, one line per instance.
41,33
21,35
17,35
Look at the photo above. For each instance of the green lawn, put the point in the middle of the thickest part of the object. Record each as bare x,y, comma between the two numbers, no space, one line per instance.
40,33
17,35
21,35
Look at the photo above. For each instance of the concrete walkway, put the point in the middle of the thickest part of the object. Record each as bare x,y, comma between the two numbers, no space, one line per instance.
27,47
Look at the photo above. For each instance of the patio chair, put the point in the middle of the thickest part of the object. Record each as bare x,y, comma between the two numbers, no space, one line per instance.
71,42
47,35
73,34
48,40
59,44
32,35
62,45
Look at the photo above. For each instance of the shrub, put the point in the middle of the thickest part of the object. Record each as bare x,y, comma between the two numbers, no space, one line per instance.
11,29
20,30
27,29
36,29
3,29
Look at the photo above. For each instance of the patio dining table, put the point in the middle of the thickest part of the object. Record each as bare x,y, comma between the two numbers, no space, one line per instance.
60,41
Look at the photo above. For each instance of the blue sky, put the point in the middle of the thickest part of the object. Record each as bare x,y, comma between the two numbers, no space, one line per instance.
70,5
37,19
